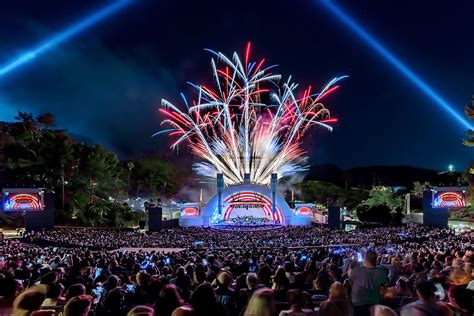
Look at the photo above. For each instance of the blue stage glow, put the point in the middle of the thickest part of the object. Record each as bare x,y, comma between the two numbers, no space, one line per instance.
64,35
355,27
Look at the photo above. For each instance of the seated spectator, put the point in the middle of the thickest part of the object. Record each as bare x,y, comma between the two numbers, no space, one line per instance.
289,272
53,296
280,284
204,302
261,303
296,300
78,306
9,289
141,310
338,303
168,300
394,268
244,295
182,282
265,275
113,302
427,302
183,311
460,300
224,293
75,290
380,310
200,279
29,301
112,282
399,295
322,283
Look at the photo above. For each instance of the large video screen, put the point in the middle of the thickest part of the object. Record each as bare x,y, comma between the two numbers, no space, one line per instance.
22,201
190,209
449,199
304,209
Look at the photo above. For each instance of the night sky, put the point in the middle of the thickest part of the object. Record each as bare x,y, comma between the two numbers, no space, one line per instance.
104,84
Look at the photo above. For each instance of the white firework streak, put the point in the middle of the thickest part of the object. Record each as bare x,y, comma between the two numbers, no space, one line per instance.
249,124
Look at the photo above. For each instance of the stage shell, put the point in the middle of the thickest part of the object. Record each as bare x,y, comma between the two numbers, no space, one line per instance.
252,194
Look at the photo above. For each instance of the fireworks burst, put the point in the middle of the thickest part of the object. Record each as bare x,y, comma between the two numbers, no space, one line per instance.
251,122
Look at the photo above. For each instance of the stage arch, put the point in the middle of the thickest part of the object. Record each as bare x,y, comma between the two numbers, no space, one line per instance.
257,198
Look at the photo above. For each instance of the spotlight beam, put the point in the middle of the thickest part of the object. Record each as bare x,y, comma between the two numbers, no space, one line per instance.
376,45
64,35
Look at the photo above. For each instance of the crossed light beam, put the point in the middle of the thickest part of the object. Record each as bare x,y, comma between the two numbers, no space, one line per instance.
376,45
64,35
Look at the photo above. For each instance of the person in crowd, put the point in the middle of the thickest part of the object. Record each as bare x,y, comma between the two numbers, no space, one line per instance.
182,282
183,311
9,289
427,303
295,299
338,303
142,287
89,263
366,282
54,296
204,302
113,303
224,293
141,310
322,283
200,279
381,310
261,303
290,275
29,301
280,284
394,268
265,274
75,290
400,294
168,300
252,284
460,300
78,306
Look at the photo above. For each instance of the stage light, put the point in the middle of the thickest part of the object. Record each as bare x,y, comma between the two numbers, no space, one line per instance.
376,45
64,35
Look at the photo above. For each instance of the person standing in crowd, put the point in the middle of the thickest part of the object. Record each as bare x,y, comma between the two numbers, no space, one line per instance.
365,282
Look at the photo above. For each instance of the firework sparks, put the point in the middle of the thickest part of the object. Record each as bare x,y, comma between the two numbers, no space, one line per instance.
249,123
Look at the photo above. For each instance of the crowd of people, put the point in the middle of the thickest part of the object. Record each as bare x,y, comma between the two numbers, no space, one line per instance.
250,220
286,271
215,238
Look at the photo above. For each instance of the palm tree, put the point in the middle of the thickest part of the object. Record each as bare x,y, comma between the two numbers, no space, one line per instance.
130,166
97,213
